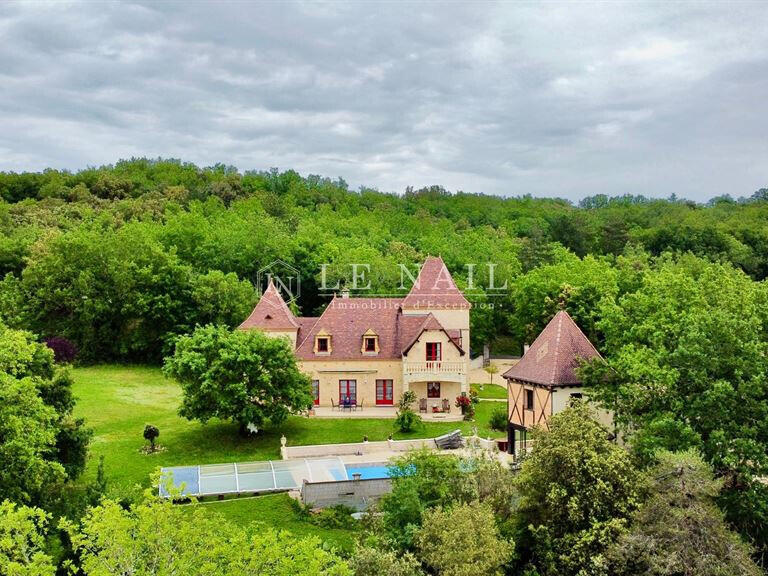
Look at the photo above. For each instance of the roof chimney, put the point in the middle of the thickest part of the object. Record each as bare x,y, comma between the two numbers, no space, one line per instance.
345,293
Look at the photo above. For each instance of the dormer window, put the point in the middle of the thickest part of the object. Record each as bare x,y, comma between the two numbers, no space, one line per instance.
323,343
370,346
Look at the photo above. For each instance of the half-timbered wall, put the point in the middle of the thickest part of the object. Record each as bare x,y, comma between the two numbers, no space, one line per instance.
519,414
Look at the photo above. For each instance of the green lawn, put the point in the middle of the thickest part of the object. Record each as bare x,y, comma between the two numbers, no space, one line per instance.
275,510
118,401
486,390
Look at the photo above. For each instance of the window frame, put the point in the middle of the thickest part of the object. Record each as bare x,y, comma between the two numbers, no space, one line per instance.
431,387
372,340
436,354
326,342
384,385
529,399
350,388
316,392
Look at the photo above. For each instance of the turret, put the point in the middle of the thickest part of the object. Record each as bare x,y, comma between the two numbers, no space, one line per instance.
272,316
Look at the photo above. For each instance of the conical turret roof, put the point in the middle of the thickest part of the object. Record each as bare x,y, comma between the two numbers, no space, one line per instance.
435,288
555,355
271,313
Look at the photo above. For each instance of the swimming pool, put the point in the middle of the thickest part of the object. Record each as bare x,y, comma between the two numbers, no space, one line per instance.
368,471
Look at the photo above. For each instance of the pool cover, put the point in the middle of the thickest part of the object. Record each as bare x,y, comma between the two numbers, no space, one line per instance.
248,477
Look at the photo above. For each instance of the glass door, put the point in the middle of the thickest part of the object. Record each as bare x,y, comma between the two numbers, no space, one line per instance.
347,392
384,390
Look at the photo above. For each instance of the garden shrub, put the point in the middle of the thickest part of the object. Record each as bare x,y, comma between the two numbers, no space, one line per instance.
498,419
407,420
64,351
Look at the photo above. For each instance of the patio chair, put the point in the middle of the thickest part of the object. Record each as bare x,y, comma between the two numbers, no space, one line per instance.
423,405
360,406
333,405
446,405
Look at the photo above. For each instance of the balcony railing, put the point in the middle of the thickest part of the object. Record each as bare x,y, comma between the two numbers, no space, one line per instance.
435,367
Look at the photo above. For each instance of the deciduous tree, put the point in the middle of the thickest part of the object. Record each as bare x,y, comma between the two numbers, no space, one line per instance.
156,537
462,541
244,376
22,541
685,366
679,530
421,480
28,429
370,561
577,491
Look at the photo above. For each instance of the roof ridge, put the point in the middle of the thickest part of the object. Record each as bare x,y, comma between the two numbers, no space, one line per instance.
558,334
553,357
434,287
569,317
423,328
281,302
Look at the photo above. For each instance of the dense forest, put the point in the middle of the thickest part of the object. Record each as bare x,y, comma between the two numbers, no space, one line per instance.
114,263
120,259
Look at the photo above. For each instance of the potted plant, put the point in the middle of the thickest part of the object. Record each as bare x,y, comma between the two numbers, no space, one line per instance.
464,402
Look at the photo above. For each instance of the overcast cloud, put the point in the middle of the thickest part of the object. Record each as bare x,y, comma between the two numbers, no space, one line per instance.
549,99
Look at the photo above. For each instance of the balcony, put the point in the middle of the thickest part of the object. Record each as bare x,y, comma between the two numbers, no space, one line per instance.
435,370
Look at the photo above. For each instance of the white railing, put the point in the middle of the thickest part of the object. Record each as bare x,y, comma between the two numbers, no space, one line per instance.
435,367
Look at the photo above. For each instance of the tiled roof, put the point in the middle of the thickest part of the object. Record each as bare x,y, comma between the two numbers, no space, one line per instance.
455,335
305,326
271,313
346,320
409,329
555,355
414,326
435,288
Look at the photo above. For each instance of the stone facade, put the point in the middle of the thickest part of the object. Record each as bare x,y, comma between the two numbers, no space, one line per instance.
371,350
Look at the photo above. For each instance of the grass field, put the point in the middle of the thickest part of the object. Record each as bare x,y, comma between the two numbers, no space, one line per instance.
490,390
118,401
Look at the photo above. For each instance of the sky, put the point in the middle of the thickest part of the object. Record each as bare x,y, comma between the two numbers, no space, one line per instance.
549,99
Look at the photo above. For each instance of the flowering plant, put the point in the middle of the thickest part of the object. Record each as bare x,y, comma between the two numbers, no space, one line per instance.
463,401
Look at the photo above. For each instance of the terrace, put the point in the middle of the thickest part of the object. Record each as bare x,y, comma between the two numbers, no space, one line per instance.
387,412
